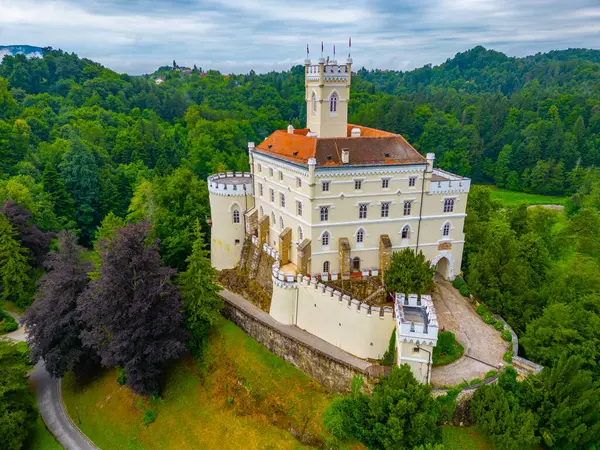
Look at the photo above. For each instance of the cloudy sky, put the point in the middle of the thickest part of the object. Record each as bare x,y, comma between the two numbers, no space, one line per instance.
137,36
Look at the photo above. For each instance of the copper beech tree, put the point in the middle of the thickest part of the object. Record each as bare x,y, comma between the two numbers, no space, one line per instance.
132,310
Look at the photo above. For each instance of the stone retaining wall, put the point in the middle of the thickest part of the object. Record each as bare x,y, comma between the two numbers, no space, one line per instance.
333,373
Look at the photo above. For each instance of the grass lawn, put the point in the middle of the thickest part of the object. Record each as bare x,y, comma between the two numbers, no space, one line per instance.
513,198
457,438
41,439
10,306
242,397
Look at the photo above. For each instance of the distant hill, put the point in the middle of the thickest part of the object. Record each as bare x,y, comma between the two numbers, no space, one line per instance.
27,50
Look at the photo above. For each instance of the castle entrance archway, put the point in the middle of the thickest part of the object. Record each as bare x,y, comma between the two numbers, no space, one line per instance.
442,267
356,264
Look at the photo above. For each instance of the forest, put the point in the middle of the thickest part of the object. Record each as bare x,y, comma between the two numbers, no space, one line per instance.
103,174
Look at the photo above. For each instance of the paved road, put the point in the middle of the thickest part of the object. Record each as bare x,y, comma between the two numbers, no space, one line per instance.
484,347
51,405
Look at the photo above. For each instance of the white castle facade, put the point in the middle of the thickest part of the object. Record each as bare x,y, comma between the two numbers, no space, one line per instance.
331,202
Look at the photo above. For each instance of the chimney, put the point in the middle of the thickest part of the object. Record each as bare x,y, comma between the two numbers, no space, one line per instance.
355,132
345,156
291,129
430,159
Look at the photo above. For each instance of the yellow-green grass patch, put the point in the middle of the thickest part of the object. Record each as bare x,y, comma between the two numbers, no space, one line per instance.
513,198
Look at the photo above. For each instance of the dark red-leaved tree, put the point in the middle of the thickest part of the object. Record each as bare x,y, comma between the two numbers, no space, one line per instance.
30,236
133,311
52,322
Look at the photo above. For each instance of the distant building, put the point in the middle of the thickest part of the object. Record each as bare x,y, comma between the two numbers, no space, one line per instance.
332,201
159,80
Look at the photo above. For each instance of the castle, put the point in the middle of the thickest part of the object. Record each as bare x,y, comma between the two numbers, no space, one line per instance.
331,202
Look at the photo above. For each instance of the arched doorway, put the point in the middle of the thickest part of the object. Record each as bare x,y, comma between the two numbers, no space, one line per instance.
356,264
442,267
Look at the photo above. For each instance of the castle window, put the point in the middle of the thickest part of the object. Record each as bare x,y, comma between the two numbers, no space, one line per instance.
262,211
333,103
362,211
273,221
260,189
236,216
448,205
280,175
415,349
272,195
314,104
325,186
360,236
281,223
412,327
326,267
325,239
324,213
259,167
407,207
412,181
300,234
405,232
356,264
270,171
298,182
385,209
282,200
446,229
237,242
357,185
299,207
385,183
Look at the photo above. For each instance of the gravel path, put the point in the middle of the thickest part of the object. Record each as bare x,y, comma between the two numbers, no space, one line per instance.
484,347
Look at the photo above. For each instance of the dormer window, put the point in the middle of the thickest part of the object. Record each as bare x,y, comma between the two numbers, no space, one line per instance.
333,103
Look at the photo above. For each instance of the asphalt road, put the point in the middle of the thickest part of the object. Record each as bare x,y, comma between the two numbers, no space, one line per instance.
51,406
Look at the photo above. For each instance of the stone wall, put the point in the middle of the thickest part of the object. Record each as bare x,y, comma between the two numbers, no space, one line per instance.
333,373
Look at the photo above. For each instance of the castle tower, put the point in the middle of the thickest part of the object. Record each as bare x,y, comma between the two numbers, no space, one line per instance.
327,86
231,196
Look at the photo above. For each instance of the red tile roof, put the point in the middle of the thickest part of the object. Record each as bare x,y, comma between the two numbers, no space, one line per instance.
372,147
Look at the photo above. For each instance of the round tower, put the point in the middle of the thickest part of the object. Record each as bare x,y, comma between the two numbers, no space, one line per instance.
231,196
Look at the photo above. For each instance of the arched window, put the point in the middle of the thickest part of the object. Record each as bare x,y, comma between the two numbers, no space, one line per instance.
360,236
300,234
405,232
356,264
325,239
262,211
326,267
236,216
281,223
333,103
273,221
314,103
446,229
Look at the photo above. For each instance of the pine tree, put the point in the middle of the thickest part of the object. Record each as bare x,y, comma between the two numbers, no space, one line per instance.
14,268
201,304
53,185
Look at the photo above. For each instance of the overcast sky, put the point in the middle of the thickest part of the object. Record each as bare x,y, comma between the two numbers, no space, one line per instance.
137,36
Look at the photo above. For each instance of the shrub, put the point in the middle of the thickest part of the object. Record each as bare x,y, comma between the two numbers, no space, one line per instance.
458,282
464,290
447,404
481,310
508,356
149,416
448,349
474,381
7,323
499,326
506,335
488,318
390,354
490,374
121,376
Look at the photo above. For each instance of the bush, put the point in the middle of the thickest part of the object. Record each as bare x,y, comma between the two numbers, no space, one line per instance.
121,376
508,356
464,290
474,381
488,318
481,310
506,335
490,374
499,326
389,356
149,416
448,349
7,323
458,282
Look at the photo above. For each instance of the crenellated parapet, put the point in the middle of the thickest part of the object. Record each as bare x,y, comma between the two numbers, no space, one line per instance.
416,319
231,184
443,182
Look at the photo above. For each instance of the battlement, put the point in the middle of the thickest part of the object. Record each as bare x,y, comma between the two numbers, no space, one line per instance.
416,319
231,184
331,72
443,182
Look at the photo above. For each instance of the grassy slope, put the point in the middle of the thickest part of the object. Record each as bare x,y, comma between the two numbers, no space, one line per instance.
455,438
41,439
512,198
244,397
